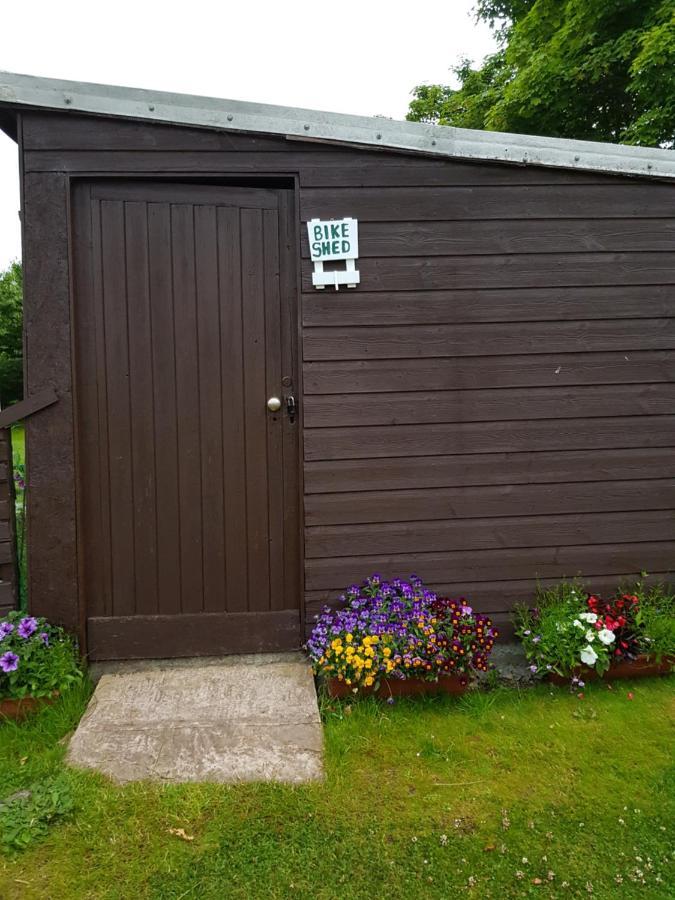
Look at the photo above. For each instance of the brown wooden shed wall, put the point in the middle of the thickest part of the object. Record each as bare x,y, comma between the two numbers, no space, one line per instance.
494,404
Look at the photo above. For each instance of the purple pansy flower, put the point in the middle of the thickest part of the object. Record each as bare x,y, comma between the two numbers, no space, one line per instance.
44,637
6,628
9,662
533,669
536,639
27,627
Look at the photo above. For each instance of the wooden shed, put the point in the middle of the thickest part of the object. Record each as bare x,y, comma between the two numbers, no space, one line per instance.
491,404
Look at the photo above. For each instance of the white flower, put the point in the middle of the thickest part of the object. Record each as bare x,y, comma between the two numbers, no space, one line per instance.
577,623
588,655
590,636
606,636
589,617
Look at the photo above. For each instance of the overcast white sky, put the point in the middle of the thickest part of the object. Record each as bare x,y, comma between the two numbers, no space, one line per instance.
340,55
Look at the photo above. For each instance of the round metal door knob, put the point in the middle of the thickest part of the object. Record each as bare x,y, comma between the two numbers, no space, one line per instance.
274,404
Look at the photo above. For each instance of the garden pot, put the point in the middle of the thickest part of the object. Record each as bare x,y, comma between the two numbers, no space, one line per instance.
19,709
636,668
397,687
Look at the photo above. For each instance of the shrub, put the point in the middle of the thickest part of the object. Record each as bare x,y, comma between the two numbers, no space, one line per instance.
399,629
36,658
570,628
655,619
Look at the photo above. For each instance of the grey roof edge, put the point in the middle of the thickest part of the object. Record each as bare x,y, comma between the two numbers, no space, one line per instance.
235,115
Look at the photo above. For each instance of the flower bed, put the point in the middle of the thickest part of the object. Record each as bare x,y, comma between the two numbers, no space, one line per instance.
572,634
394,638
37,662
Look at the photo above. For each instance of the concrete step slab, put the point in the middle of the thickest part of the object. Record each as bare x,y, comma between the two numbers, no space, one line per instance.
241,719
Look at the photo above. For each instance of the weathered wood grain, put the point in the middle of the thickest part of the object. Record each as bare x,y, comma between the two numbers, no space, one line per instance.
407,473
533,304
401,342
194,634
516,236
50,437
531,563
432,273
472,372
334,410
58,131
489,437
462,503
493,404
627,199
444,535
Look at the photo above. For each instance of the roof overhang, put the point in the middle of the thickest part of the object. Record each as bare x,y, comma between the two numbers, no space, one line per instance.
28,91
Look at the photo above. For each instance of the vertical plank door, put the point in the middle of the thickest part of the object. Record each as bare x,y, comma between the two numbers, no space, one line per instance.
187,482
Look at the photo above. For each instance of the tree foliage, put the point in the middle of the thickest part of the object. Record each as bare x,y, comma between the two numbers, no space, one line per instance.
11,341
567,68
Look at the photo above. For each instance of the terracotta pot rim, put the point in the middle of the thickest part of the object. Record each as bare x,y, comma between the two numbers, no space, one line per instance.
18,707
643,666
397,687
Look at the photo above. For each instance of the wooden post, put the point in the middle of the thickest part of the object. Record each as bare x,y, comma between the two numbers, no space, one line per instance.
8,557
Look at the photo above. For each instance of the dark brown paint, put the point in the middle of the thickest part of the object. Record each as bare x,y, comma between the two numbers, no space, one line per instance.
8,561
493,404
182,468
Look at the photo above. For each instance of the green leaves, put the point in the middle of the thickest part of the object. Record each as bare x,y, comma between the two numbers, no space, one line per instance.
25,816
567,68
47,660
11,341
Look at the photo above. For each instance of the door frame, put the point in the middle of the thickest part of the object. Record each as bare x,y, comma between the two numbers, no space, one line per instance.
286,185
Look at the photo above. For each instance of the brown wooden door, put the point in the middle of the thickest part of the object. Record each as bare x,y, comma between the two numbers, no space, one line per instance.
188,498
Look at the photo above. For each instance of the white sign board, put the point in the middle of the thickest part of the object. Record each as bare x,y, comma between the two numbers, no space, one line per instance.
334,240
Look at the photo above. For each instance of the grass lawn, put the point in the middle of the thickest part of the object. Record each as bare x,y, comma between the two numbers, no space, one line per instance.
19,443
488,796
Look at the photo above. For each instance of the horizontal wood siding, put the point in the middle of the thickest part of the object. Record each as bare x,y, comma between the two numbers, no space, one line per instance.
495,402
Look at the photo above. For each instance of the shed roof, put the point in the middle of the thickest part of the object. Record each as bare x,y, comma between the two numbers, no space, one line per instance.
29,91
